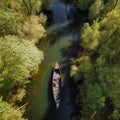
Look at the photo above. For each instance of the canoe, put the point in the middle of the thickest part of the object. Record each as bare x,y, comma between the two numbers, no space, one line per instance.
56,84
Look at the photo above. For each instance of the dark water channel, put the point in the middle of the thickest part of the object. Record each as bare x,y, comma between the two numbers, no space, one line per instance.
61,35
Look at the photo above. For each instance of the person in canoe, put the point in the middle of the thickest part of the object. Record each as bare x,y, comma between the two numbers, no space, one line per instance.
56,84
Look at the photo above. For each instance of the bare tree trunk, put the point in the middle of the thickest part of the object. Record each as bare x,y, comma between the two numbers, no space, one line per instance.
26,7
30,7
116,2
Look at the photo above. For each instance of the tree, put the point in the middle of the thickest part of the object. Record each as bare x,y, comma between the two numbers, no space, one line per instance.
83,4
95,9
98,68
18,57
19,18
90,36
100,31
22,25
7,112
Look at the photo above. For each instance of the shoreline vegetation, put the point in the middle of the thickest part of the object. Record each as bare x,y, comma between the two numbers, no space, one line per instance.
22,26
94,73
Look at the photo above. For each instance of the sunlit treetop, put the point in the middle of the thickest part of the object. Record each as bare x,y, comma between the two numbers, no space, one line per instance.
7,112
19,18
101,31
18,57
27,7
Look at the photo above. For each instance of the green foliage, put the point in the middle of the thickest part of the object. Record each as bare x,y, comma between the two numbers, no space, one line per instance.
45,3
99,8
116,115
100,32
21,26
18,96
18,58
90,36
33,28
95,9
95,97
27,7
99,65
7,112
15,21
83,4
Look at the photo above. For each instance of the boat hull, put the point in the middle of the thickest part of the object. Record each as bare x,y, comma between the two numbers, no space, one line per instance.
56,84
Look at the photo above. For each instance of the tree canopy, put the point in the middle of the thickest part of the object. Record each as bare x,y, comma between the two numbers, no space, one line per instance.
18,58
19,18
7,112
98,65
22,25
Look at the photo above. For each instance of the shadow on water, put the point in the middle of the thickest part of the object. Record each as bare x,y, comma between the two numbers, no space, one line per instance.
69,52
51,107
50,93
60,32
66,109
56,31
65,29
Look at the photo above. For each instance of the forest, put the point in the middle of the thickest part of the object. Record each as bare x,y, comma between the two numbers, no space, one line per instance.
20,29
94,73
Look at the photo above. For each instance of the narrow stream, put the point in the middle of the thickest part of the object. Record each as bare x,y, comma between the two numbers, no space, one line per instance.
60,36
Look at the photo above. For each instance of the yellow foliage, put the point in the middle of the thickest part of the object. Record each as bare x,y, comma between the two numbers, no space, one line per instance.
90,36
15,21
18,96
33,29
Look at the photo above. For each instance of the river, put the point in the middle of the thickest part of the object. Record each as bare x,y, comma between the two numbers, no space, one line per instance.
40,99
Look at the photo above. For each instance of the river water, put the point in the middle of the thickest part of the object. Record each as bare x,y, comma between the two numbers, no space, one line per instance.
40,100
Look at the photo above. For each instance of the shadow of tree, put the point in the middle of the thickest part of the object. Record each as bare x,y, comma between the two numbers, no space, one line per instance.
51,107
56,31
68,53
